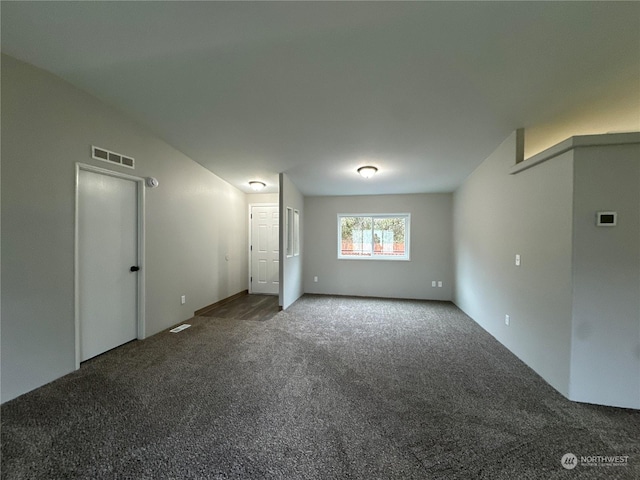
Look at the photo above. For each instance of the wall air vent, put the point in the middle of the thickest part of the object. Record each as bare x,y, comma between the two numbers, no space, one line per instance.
111,157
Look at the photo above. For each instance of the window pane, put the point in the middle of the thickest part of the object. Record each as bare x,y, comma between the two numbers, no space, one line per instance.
356,236
289,232
296,232
388,235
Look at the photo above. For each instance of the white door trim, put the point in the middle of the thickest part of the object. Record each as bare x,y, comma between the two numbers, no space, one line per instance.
249,253
141,258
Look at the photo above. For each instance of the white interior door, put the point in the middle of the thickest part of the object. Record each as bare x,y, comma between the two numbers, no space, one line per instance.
265,272
107,249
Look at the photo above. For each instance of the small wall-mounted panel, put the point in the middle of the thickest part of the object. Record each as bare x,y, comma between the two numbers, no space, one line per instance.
606,219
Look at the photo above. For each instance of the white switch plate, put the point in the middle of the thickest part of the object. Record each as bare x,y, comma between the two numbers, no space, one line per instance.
507,320
517,260
439,284
433,284
315,279
183,299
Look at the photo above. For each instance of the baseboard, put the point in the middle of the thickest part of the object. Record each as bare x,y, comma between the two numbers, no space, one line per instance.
197,313
373,297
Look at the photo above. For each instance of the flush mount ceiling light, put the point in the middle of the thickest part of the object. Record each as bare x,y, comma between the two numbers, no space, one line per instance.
257,186
368,171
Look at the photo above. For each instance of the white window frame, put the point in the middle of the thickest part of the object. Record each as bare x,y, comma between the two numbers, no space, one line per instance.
407,235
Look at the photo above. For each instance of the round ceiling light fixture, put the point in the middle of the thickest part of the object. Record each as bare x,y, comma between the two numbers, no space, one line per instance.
257,186
367,171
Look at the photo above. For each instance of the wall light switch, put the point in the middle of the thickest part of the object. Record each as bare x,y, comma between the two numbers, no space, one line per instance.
433,284
439,284
315,279
517,260
183,299
507,320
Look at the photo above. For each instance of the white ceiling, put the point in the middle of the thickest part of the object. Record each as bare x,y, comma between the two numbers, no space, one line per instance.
425,91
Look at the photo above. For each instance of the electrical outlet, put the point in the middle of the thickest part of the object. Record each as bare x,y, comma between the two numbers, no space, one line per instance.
517,260
183,299
507,320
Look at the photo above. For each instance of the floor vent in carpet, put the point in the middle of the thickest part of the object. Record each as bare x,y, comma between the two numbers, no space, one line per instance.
179,328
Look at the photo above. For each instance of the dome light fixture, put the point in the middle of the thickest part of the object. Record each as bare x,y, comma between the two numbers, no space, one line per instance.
367,171
257,186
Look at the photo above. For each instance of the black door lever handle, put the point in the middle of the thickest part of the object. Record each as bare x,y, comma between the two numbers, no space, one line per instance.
134,268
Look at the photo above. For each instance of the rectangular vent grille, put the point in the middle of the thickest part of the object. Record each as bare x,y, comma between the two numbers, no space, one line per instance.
179,328
112,157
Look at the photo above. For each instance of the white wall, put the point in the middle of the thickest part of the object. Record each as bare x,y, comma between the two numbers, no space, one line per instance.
605,352
498,215
193,220
262,198
575,300
291,287
430,243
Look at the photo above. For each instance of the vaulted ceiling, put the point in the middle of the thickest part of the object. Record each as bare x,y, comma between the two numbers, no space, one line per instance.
425,91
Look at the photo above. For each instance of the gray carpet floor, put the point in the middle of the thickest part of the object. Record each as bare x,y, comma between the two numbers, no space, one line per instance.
331,388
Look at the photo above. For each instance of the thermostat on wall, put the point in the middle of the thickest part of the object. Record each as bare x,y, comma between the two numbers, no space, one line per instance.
606,219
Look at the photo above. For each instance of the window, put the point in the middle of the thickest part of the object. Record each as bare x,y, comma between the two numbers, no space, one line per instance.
374,237
289,232
292,232
296,233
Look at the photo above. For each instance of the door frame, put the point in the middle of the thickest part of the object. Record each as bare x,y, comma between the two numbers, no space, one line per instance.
140,320
249,252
